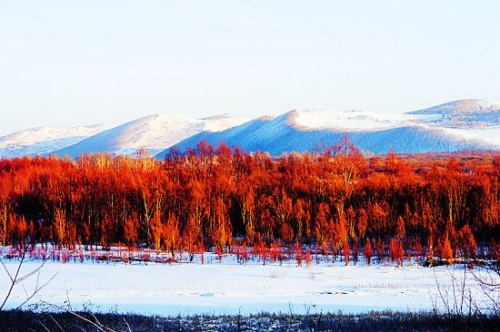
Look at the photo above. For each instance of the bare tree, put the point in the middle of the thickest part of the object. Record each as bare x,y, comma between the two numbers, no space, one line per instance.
487,274
455,294
17,278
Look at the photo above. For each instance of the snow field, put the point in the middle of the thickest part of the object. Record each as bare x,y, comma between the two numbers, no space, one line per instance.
227,287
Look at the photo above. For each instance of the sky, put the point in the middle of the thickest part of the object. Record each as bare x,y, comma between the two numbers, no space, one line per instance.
70,63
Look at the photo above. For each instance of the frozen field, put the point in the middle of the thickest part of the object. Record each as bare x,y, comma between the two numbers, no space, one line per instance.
230,288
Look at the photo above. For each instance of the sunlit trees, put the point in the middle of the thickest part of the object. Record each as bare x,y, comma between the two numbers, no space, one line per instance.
323,227
171,234
157,229
396,250
191,236
455,184
207,197
130,233
467,243
367,251
5,192
445,250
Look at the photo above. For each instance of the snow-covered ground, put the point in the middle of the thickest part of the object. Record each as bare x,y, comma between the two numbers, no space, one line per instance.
228,287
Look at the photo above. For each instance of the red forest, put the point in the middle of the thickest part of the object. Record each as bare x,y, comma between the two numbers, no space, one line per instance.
337,200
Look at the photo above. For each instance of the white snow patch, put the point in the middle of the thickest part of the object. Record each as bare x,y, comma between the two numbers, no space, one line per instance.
222,122
41,140
154,133
356,120
231,288
158,132
489,135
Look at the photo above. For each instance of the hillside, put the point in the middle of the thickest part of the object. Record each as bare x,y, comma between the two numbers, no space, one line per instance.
45,140
468,124
439,129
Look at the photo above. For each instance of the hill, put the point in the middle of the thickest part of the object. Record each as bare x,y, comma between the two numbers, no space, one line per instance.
468,124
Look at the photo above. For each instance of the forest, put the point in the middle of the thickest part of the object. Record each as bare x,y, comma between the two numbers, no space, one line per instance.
336,200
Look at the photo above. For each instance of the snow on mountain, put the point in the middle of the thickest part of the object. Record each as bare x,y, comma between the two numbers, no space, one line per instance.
455,126
464,114
468,124
222,122
44,140
352,121
463,106
153,133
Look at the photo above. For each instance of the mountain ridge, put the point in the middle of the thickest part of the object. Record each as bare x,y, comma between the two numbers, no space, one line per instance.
467,124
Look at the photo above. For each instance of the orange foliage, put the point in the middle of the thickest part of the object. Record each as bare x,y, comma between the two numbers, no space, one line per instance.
207,196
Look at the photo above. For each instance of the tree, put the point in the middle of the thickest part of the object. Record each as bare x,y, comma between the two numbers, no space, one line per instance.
130,232
286,233
302,218
467,243
18,276
298,253
396,250
362,222
340,234
455,182
378,213
191,236
245,196
60,224
322,224
346,251
368,251
445,249
401,230
5,192
156,230
171,234
308,258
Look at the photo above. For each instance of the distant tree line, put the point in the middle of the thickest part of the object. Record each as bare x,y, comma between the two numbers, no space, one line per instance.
209,197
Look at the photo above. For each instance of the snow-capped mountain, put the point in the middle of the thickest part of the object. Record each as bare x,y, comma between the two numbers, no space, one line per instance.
460,125
152,133
44,140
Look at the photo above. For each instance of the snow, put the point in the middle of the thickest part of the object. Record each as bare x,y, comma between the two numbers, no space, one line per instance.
156,132
153,133
489,135
485,104
42,140
228,287
469,124
222,122
356,120
370,132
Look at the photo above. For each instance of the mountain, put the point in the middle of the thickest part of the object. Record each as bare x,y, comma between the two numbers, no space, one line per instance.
153,133
468,124
44,140
412,132
467,113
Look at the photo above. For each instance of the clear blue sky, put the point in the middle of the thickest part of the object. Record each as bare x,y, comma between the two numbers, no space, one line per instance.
67,63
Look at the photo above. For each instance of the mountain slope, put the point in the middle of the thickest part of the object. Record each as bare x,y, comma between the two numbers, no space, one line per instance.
468,124
152,133
276,137
44,140
465,125
464,114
